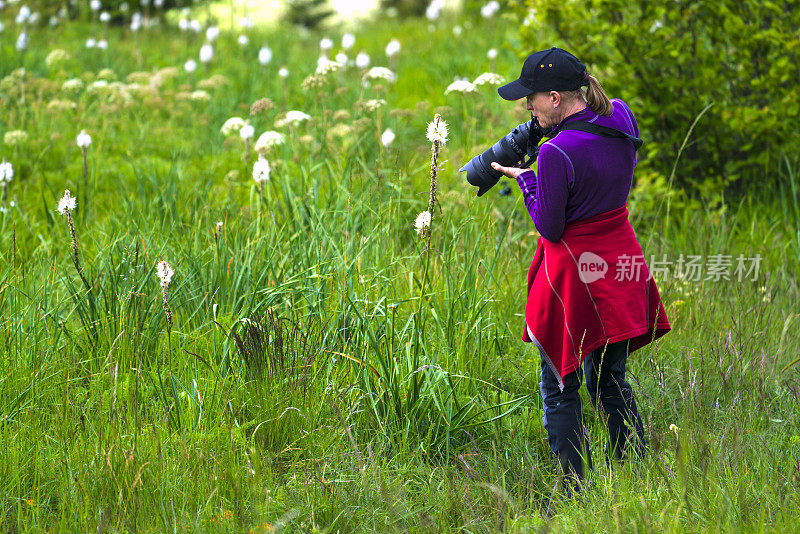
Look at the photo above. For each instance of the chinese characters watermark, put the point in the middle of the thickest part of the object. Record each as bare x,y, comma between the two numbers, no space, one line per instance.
715,267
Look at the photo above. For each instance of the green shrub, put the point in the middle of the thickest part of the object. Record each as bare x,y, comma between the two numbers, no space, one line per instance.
671,59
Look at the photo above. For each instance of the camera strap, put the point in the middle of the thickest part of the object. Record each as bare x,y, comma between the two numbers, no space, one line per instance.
597,129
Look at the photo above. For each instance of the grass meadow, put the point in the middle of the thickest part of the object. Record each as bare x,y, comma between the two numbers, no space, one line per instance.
314,365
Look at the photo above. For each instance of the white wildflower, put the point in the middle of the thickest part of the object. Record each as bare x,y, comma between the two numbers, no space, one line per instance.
264,55
492,53
102,44
91,43
434,9
95,5
183,24
232,125
490,9
326,66
243,40
283,72
195,26
212,33
437,132
206,53
489,78
326,44
164,271
261,170
6,171
380,73
460,86
246,22
268,140
200,96
422,222
22,41
457,30
67,203
292,117
341,58
15,137
374,104
387,137
105,16
247,131
393,47
362,60
348,40
84,139
190,66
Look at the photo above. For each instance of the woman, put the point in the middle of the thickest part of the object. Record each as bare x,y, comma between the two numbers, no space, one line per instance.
591,299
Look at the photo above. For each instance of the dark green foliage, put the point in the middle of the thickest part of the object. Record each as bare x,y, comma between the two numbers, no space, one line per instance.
670,59
307,13
406,8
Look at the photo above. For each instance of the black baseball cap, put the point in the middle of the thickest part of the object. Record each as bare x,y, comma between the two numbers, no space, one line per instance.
553,69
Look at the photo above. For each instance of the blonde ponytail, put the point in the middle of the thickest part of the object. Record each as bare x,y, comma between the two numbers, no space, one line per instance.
596,97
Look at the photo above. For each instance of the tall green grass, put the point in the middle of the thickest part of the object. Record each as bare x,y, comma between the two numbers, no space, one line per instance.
297,387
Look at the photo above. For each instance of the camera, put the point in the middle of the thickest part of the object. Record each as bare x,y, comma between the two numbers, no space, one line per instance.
510,150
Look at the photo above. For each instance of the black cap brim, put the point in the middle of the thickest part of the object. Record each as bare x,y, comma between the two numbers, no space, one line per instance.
513,91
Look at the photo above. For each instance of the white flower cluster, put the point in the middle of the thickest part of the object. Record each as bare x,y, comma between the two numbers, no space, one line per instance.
423,222
460,86
374,104
362,60
6,171
261,170
325,66
348,40
84,139
380,73
490,9
387,137
264,55
489,78
164,271
434,9
437,132
67,203
393,47
292,118
268,140
247,131
232,125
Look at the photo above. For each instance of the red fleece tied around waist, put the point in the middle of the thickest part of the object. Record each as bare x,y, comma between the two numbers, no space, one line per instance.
589,289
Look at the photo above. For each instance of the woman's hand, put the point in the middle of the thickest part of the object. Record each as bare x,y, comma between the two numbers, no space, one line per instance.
511,172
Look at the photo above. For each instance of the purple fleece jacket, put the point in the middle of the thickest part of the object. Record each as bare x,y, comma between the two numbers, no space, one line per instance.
581,174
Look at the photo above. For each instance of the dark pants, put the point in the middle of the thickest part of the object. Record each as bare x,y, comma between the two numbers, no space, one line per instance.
604,369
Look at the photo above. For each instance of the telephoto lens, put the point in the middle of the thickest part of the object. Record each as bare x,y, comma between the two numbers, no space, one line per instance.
510,150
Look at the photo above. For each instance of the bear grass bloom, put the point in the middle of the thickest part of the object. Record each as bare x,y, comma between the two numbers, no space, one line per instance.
6,171
422,223
247,131
164,271
261,170
84,139
437,132
387,137
67,203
